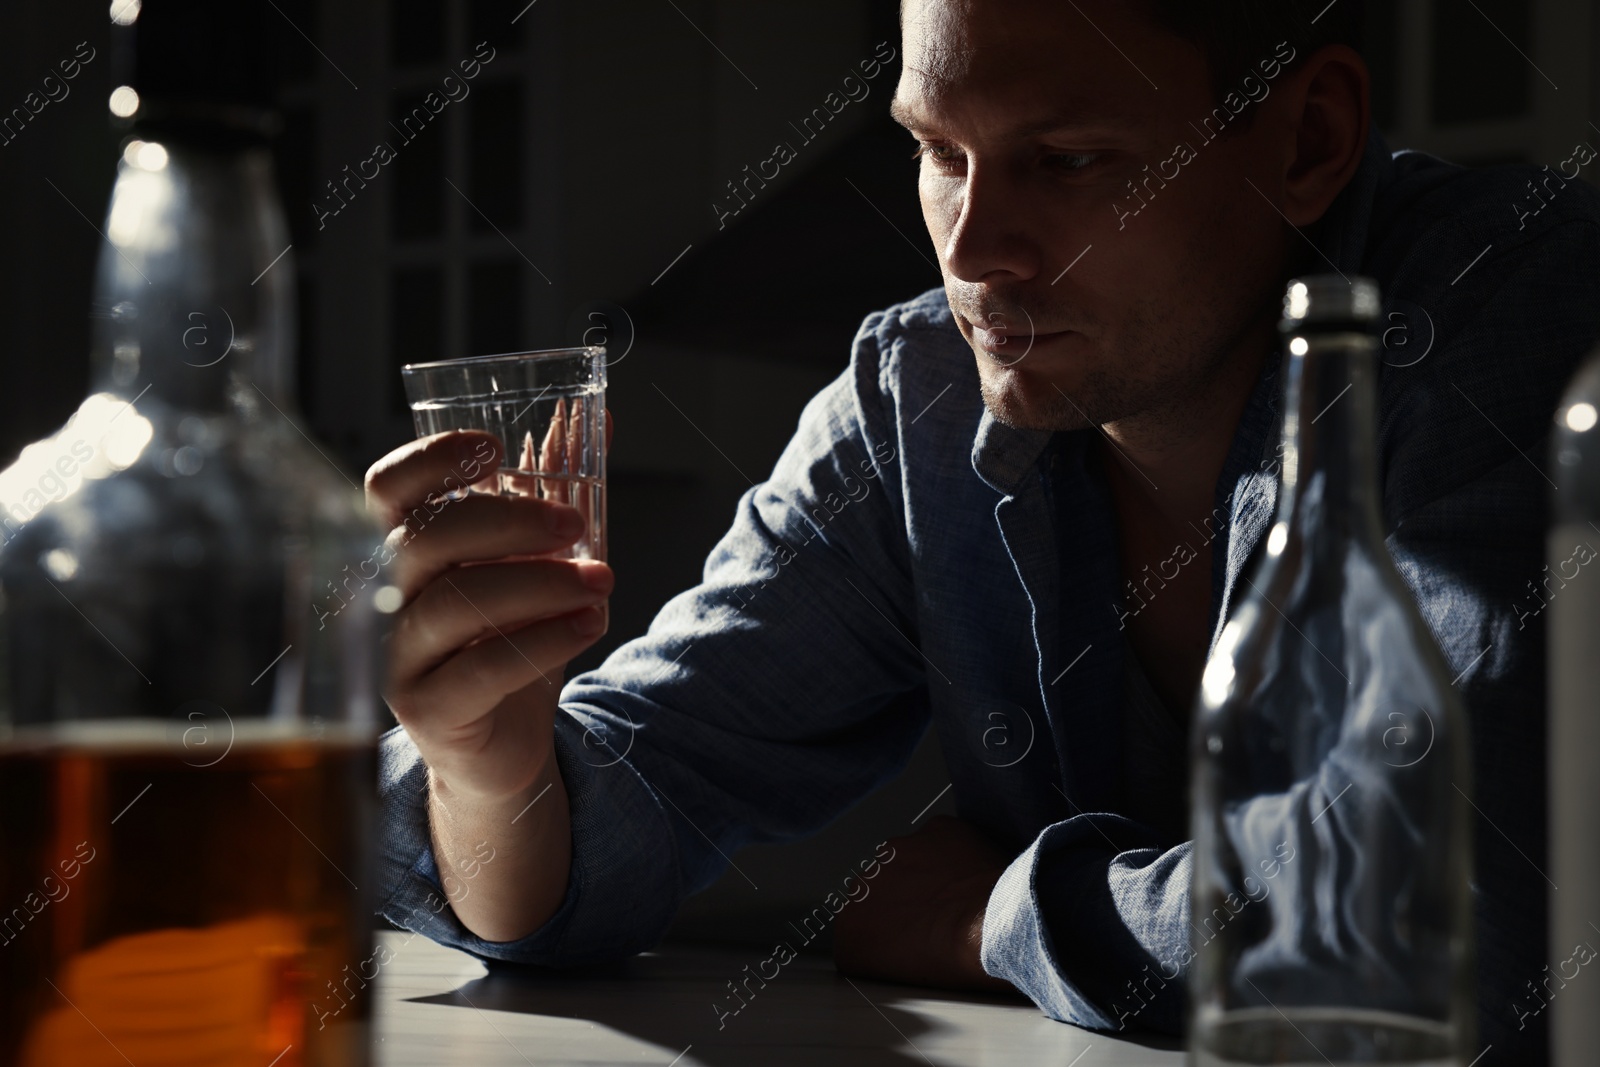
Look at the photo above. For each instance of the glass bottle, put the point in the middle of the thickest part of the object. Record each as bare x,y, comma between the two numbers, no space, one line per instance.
189,626
1572,585
1331,905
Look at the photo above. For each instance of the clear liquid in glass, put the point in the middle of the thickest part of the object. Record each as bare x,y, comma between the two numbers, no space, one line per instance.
551,447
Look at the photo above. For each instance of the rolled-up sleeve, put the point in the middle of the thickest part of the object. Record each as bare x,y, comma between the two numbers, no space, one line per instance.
760,705
1094,934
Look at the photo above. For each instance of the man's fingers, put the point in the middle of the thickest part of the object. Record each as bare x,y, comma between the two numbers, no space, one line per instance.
466,604
477,529
481,675
443,463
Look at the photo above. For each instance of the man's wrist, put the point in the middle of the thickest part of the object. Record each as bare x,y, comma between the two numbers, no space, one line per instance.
969,932
521,847
545,773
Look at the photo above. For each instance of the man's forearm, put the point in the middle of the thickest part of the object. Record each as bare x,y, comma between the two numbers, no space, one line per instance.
503,865
922,923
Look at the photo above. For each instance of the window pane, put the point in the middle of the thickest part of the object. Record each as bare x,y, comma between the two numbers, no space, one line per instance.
417,207
495,303
416,322
495,154
416,31
1477,74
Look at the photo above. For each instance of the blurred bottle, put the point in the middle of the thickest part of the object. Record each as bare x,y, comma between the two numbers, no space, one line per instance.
1572,586
1331,905
188,623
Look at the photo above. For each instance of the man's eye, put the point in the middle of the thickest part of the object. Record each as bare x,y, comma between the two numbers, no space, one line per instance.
1071,160
939,153
945,155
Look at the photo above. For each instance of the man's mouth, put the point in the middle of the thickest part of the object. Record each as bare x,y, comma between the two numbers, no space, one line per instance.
1009,343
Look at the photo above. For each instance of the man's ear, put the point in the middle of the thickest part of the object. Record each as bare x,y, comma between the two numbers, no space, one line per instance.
1328,107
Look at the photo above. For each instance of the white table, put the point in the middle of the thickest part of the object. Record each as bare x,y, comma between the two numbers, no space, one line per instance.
437,1007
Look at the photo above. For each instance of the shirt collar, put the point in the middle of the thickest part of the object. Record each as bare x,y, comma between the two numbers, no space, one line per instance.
1003,456
1246,494
1341,236
1343,230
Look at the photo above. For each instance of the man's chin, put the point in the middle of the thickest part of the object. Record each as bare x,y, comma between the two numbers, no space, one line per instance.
1024,402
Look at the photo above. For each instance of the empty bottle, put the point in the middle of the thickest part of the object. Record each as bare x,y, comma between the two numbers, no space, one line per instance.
1332,850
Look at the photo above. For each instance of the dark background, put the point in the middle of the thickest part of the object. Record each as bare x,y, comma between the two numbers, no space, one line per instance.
580,174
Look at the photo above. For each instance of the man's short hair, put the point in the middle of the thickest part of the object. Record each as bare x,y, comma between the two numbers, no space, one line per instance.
1237,36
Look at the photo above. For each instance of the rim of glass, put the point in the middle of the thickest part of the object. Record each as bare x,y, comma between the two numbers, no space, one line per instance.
507,357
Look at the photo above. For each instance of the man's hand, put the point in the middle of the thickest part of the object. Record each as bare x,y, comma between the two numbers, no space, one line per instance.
491,616
490,619
922,923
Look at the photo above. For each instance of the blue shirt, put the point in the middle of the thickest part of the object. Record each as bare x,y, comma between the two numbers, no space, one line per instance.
913,562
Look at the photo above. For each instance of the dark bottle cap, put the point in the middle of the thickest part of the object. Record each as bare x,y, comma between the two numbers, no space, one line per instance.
1330,300
208,68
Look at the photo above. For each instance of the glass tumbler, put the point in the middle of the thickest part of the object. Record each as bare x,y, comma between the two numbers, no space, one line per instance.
548,410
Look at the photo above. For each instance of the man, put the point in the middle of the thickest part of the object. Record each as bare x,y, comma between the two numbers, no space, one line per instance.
1117,193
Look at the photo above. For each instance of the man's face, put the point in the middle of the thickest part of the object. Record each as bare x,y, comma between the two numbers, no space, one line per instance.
1033,123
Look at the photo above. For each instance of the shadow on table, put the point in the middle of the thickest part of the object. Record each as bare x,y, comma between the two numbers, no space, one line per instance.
679,997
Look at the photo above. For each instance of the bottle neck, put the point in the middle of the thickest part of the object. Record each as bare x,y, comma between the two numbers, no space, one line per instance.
1330,482
194,296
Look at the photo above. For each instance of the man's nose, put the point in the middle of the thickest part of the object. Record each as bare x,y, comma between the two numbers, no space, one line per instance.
990,234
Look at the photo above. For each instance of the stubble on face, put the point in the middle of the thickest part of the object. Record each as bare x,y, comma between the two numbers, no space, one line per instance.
1150,370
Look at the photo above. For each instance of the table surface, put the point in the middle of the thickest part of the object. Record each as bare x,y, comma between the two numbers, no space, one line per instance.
437,1006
